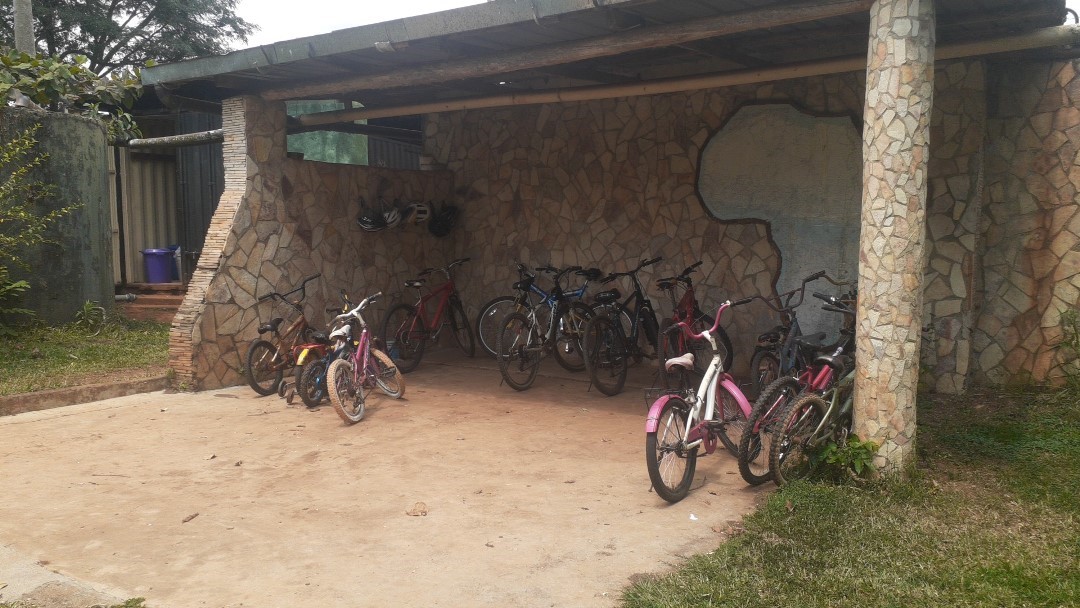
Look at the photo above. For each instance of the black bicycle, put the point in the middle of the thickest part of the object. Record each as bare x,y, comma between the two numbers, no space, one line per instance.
609,344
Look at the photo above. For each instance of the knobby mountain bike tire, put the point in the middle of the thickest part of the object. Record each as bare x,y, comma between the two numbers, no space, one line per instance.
387,375
790,454
671,467
764,370
568,349
346,396
312,383
405,337
520,349
263,374
605,354
756,440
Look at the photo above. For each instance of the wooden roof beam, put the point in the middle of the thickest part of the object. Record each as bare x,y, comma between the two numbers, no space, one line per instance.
569,52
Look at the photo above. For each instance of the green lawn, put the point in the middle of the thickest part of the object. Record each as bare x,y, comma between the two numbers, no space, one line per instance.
993,519
43,357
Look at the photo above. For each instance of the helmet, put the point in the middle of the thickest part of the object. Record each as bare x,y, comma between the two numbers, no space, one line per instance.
392,217
442,220
368,219
417,212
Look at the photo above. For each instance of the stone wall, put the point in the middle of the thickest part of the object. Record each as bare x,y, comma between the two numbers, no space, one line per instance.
280,220
1031,267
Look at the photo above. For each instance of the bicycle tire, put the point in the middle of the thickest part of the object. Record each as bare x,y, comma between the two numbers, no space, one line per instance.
261,374
347,398
704,321
756,439
520,350
568,350
764,370
605,355
487,322
678,379
732,420
312,383
671,468
462,330
789,456
403,334
387,375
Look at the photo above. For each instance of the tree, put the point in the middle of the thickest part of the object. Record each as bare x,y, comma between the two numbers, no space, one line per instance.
127,33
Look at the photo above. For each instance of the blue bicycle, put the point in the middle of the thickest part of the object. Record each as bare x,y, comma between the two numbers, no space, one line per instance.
531,297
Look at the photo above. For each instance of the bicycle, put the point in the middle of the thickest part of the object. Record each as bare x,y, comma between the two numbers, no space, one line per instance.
351,379
406,329
686,308
679,423
784,350
608,345
267,360
314,361
524,339
817,377
496,309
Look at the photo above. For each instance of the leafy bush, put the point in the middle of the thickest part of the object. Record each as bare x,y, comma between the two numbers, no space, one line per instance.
1069,348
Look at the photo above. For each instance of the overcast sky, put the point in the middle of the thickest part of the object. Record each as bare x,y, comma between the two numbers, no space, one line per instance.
287,19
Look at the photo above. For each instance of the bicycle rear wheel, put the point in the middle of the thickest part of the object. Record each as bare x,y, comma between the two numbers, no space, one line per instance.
520,350
491,314
671,466
404,335
790,455
568,350
459,323
312,383
347,397
263,372
732,420
387,375
605,354
756,440
764,369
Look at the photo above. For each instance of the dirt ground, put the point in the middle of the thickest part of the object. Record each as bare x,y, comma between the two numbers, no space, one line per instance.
465,493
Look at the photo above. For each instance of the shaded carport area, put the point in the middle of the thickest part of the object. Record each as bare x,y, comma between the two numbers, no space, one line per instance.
461,494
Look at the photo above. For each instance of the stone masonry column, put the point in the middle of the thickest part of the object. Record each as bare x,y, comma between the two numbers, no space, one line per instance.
896,131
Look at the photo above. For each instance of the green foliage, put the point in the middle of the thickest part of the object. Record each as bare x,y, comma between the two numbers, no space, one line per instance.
11,292
850,457
129,33
91,317
1069,347
22,225
71,86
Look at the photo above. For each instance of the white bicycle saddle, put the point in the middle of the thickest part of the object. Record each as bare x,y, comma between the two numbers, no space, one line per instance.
685,360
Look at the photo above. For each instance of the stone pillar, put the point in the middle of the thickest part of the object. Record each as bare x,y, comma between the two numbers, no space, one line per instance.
899,99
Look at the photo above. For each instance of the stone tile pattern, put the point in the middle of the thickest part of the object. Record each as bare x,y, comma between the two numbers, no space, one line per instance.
899,98
607,183
1032,224
279,221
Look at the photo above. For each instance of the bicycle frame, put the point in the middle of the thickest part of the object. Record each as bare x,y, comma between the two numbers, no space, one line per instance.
443,293
825,431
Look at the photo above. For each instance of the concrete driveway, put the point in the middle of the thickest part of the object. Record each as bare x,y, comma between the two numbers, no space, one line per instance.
220,498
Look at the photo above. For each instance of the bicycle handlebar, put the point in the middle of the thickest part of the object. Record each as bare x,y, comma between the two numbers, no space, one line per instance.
361,306
614,275
284,297
685,327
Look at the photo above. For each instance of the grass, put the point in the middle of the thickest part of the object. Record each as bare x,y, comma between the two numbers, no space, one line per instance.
42,358
992,519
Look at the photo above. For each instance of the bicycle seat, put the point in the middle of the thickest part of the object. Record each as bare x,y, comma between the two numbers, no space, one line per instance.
811,341
591,274
524,284
415,283
605,297
273,325
839,363
319,337
665,284
685,360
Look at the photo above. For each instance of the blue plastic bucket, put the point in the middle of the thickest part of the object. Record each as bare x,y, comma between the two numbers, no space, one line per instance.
159,265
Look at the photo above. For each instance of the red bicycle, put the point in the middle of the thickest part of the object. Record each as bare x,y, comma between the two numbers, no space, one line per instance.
673,344
407,328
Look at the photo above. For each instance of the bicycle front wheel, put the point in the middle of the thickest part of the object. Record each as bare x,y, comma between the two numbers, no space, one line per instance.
520,349
346,395
459,323
605,354
568,350
312,383
671,466
403,334
731,419
263,371
756,440
790,454
387,375
487,322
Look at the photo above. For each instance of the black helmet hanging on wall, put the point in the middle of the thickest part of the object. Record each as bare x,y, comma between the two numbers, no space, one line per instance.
442,219
369,219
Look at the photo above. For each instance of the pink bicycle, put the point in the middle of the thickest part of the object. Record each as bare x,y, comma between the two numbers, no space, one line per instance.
350,380
679,424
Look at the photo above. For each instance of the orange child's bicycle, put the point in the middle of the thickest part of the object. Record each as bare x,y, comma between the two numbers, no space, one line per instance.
267,359
407,328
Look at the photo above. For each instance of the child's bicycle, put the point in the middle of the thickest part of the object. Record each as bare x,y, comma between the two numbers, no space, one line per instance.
350,380
267,360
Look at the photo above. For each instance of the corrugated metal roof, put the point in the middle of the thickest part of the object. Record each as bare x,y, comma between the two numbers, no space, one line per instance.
507,26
